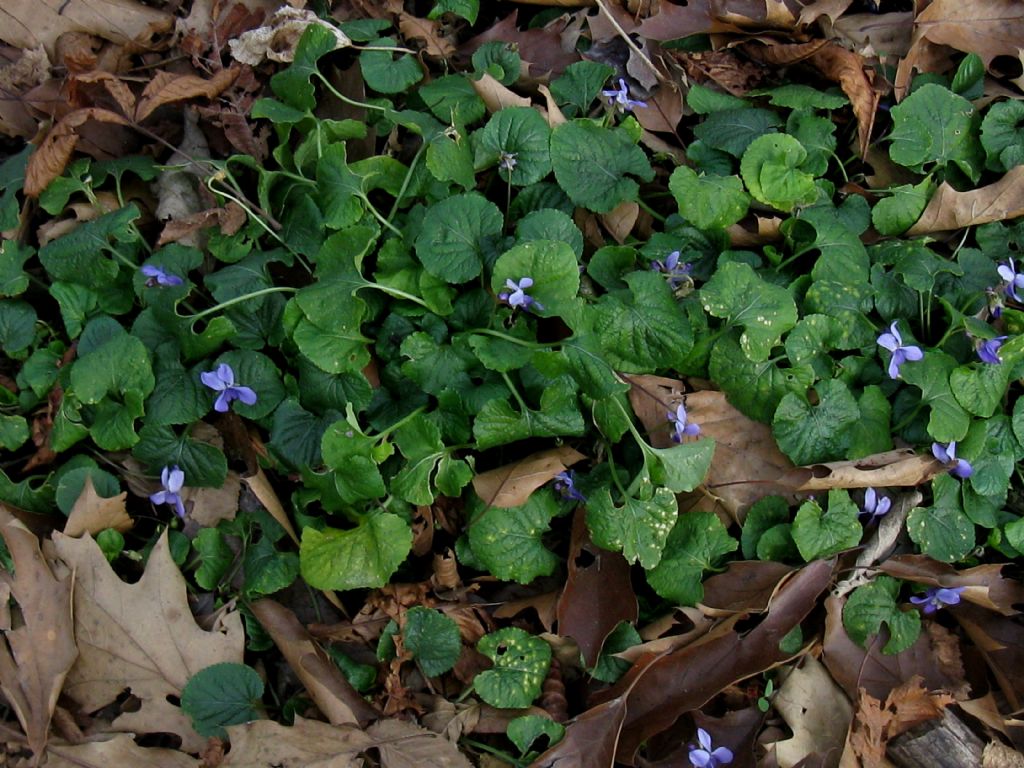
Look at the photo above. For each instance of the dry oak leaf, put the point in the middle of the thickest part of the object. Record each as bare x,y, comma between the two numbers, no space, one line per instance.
168,88
117,750
816,710
988,28
48,162
406,745
512,484
307,744
35,656
28,23
140,637
92,513
949,209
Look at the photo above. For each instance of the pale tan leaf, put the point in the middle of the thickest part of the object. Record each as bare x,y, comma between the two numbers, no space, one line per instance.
949,209
277,40
267,496
48,162
140,637
816,710
92,513
988,28
115,751
211,505
512,484
29,23
552,112
326,685
307,744
167,88
495,95
620,220
35,656
428,32
881,470
831,8
407,745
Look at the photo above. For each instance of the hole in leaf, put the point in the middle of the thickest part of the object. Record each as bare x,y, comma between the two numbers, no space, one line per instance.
585,559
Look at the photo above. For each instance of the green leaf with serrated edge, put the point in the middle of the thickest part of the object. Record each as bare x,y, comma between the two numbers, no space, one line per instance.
794,96
70,480
942,531
452,476
553,267
734,130
119,366
696,544
508,542
112,424
362,557
770,168
521,663
1017,420
754,388
350,454
452,99
296,434
500,60
77,305
458,235
896,214
433,640
340,190
822,534
739,296
215,558
579,84
17,325
646,330
681,468
451,159
813,433
609,668
550,224
934,125
13,431
204,465
591,164
990,447
77,257
385,74
837,232
920,267
708,202
13,277
947,419
777,544
466,9
610,263
519,133
766,513
873,432
1002,135
277,112
710,160
979,388
500,354
435,367
419,440
874,604
220,695
292,85
524,731
258,372
587,366
639,528
267,570
703,100
847,303
812,338
558,416
816,135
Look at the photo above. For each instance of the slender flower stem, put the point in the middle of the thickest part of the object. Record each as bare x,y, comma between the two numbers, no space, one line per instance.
406,181
404,420
515,392
398,293
240,299
653,213
518,341
338,95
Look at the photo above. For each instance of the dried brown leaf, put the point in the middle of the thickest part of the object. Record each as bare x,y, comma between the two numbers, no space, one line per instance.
140,636
598,592
885,34
620,220
511,485
544,604
495,95
988,28
306,744
949,209
746,586
117,88
428,32
36,655
856,78
267,496
406,745
552,112
168,88
1000,642
673,21
901,467
984,584
326,685
547,50
228,219
816,710
48,162
812,11
116,750
92,513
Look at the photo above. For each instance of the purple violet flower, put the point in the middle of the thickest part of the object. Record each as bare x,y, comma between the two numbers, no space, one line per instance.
679,425
565,484
995,302
705,756
988,350
1012,278
676,272
507,161
935,598
157,276
222,380
172,479
893,342
947,455
620,97
874,505
517,297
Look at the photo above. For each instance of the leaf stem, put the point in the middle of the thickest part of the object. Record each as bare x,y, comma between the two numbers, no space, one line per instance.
240,299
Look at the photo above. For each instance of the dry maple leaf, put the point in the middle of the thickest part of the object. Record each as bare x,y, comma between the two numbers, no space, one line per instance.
140,637
35,657
92,513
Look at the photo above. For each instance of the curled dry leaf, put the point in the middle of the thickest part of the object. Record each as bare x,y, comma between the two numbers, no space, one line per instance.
988,28
168,88
881,470
48,162
141,637
92,513
117,88
620,220
905,707
307,742
406,745
949,209
495,95
267,496
116,750
277,41
427,32
228,219
984,584
326,685
208,506
511,485
854,76
816,710
36,655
